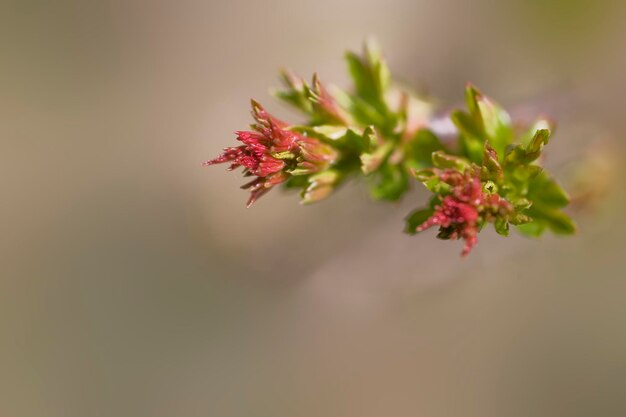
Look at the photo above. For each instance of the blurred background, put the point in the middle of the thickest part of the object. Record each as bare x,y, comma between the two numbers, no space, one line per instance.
133,282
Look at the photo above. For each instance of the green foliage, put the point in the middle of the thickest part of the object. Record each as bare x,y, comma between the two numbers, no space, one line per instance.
376,130
420,149
484,121
416,218
391,182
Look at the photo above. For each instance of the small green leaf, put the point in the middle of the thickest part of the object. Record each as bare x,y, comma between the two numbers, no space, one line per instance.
350,141
496,124
539,124
485,121
533,150
364,112
553,218
392,182
519,219
443,160
367,79
525,173
561,224
545,191
370,162
541,138
331,131
297,182
415,219
467,125
515,155
302,170
371,80
471,100
558,222
420,148
502,226
523,155
534,228
431,181
283,155
521,203
370,74
320,186
470,137
326,107
295,93
423,174
436,186
491,169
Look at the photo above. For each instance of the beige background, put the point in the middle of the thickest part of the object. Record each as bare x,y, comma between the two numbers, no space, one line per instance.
135,283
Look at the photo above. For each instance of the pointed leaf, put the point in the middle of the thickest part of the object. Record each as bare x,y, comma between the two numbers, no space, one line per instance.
502,226
415,219
420,148
534,228
392,183
443,160
491,168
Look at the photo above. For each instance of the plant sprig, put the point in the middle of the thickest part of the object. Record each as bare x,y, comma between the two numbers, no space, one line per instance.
381,132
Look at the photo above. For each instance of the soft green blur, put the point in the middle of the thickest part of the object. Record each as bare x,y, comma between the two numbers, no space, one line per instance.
135,283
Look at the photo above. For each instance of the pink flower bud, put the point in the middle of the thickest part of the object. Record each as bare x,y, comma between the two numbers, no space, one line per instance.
271,152
465,208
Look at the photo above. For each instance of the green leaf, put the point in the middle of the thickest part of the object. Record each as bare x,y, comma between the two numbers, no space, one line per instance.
541,138
525,173
470,137
363,77
534,228
370,162
545,191
341,138
466,124
370,74
392,181
415,219
364,112
523,155
491,169
382,75
544,199
431,181
521,203
472,96
326,108
420,148
560,223
320,186
357,143
371,78
502,226
556,220
297,182
332,132
540,124
519,219
436,186
553,218
496,124
443,160
423,175
485,121
295,93
533,150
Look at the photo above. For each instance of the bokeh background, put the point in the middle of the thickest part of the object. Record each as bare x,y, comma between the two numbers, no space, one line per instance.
133,282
